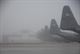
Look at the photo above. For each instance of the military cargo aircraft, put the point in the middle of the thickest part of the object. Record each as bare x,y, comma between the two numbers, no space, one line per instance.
69,36
69,30
69,23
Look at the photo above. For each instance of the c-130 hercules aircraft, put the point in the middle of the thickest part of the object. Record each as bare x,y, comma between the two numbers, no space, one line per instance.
68,22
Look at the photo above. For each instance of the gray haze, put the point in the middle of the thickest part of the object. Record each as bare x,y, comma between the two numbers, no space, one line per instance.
32,15
21,18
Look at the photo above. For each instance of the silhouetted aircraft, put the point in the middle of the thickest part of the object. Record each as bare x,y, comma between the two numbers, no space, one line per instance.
55,30
60,34
69,23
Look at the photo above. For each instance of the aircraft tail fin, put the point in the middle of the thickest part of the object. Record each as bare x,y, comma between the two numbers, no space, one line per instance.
54,27
68,21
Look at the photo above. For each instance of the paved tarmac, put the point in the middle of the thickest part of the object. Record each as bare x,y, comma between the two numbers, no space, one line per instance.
40,48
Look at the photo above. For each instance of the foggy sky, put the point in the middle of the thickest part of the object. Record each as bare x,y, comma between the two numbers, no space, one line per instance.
33,15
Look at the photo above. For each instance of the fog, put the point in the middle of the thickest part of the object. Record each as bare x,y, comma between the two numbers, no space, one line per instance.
23,27
32,15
